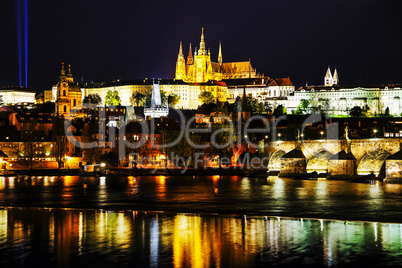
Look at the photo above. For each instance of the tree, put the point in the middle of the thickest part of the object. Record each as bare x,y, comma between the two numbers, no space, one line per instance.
59,139
173,100
279,110
137,98
112,98
206,97
254,105
356,112
93,99
304,104
387,112
268,107
324,103
29,140
91,155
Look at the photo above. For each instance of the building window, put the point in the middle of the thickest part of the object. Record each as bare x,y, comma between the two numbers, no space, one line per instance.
65,109
64,93
75,102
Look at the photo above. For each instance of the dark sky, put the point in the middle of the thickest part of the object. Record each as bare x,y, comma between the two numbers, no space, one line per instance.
129,39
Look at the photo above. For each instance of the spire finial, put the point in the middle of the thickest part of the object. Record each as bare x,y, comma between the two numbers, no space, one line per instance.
202,51
63,72
190,56
220,54
69,69
181,50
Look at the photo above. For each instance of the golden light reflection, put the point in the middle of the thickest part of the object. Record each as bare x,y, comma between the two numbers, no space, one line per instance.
161,187
2,183
11,182
70,180
192,240
3,226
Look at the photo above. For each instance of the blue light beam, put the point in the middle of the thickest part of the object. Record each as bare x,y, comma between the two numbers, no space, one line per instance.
26,40
19,38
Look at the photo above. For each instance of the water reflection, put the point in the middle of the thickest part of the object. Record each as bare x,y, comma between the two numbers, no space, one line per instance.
210,194
61,237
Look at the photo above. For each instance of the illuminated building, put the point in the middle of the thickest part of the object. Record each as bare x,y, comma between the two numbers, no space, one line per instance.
336,99
17,95
265,89
200,68
65,93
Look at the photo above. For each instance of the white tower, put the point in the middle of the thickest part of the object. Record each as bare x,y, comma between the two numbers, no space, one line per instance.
328,80
335,79
157,109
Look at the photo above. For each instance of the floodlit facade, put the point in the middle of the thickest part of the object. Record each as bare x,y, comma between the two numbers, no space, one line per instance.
66,93
340,100
200,69
17,95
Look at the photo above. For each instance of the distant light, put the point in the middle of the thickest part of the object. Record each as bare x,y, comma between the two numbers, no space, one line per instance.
103,165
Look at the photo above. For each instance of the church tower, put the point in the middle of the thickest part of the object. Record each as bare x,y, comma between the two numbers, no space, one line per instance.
180,65
62,102
335,79
328,80
202,60
69,95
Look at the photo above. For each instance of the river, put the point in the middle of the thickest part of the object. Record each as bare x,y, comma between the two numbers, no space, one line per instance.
198,221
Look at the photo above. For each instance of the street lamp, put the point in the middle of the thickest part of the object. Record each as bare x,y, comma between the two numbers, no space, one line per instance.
279,136
322,133
375,133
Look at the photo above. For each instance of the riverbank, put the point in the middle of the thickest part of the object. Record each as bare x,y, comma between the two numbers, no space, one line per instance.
226,171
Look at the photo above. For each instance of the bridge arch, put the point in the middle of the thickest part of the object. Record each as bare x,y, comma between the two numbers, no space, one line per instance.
319,162
275,161
373,162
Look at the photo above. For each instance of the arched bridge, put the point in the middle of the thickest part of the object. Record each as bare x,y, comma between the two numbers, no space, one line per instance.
370,154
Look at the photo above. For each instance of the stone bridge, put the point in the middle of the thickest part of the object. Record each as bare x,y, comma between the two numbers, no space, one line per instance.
370,154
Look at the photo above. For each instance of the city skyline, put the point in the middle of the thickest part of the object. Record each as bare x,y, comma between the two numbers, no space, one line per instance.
106,42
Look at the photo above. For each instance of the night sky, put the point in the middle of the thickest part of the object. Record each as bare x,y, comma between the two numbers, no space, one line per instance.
128,39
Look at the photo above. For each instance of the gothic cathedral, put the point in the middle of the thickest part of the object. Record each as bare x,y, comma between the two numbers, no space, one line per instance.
200,68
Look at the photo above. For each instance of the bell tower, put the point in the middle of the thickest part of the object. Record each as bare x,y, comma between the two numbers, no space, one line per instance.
202,60
62,102
328,80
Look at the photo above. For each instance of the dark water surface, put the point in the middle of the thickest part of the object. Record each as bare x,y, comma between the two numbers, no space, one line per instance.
38,237
215,221
273,196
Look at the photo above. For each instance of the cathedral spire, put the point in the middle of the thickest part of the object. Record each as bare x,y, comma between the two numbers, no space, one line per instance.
202,51
181,50
220,54
190,59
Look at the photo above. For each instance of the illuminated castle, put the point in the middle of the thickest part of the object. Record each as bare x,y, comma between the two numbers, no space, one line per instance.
200,68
